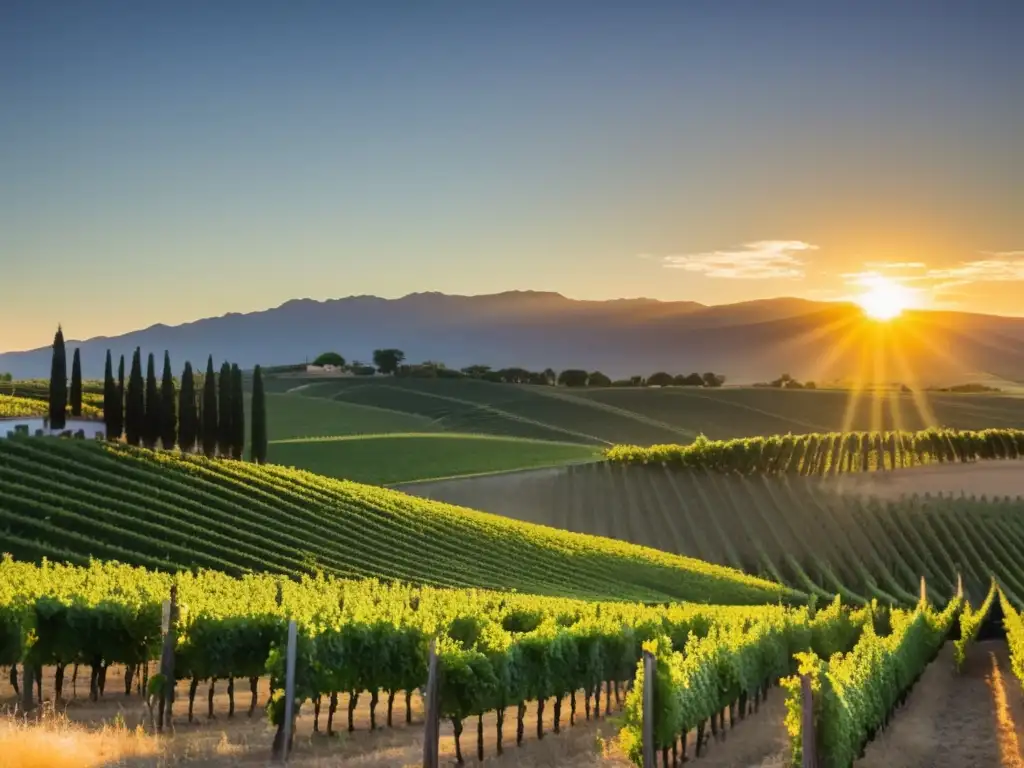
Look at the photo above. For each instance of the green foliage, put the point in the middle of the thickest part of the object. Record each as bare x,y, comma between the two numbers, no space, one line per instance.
111,406
225,410
1014,624
856,692
330,358
168,405
153,418
210,424
258,420
970,625
58,382
135,402
237,414
75,396
388,360
188,416
572,377
817,452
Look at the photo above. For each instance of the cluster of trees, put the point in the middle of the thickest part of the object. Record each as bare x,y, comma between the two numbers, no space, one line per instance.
205,413
574,377
785,381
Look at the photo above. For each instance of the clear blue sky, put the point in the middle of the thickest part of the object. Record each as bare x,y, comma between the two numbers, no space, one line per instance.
161,162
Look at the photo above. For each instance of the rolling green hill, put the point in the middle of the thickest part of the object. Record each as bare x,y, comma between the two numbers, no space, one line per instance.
397,457
71,500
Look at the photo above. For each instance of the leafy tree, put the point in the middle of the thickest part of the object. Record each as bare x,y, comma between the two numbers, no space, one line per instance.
225,411
551,376
388,360
7,378
659,379
636,381
209,412
713,380
168,400
153,417
330,358
476,371
598,379
237,414
58,382
573,377
120,398
188,418
76,385
109,399
693,380
259,418
135,402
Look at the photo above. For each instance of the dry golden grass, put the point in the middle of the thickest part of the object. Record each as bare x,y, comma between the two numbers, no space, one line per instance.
53,740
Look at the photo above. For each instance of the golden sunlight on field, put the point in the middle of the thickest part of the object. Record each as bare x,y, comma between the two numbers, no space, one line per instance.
58,741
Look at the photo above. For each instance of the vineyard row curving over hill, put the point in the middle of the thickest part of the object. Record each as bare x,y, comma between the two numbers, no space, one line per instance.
70,500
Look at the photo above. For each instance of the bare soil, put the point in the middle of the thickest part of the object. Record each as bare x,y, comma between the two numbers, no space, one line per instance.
974,719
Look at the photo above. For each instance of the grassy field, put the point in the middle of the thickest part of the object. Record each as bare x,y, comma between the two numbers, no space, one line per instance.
863,536
70,499
397,457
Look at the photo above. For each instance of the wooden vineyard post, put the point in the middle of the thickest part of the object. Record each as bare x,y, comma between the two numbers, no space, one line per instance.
808,737
959,585
289,690
924,591
168,625
432,717
650,675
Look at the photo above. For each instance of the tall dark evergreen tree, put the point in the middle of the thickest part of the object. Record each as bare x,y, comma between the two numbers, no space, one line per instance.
237,414
168,403
210,423
151,424
109,398
76,385
188,418
120,399
225,412
259,419
135,402
58,382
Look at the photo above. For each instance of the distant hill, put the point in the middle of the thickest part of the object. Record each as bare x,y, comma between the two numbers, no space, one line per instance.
747,342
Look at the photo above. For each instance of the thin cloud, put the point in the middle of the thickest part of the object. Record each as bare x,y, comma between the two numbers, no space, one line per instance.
761,260
894,265
1008,267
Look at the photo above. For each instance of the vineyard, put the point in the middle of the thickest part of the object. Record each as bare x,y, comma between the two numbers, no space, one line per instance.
829,453
71,499
16,406
808,533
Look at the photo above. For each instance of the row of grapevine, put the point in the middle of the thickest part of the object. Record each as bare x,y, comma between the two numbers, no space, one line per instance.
1013,621
970,624
829,453
13,406
356,637
856,693
701,678
69,500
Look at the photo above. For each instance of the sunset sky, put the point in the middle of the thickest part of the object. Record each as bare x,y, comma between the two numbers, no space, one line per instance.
164,164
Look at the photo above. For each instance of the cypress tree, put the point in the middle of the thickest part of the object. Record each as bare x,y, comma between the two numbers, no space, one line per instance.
237,414
210,410
259,419
119,403
58,382
109,398
135,402
188,423
168,401
76,385
152,419
224,411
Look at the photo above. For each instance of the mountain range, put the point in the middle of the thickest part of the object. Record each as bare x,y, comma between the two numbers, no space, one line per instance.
748,341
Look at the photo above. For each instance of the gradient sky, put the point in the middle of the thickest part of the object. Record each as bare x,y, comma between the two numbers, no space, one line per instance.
164,162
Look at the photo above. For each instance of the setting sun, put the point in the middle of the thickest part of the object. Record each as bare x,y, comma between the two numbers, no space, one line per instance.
884,298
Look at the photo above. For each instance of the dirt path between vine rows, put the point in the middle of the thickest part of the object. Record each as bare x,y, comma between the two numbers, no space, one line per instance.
971,720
